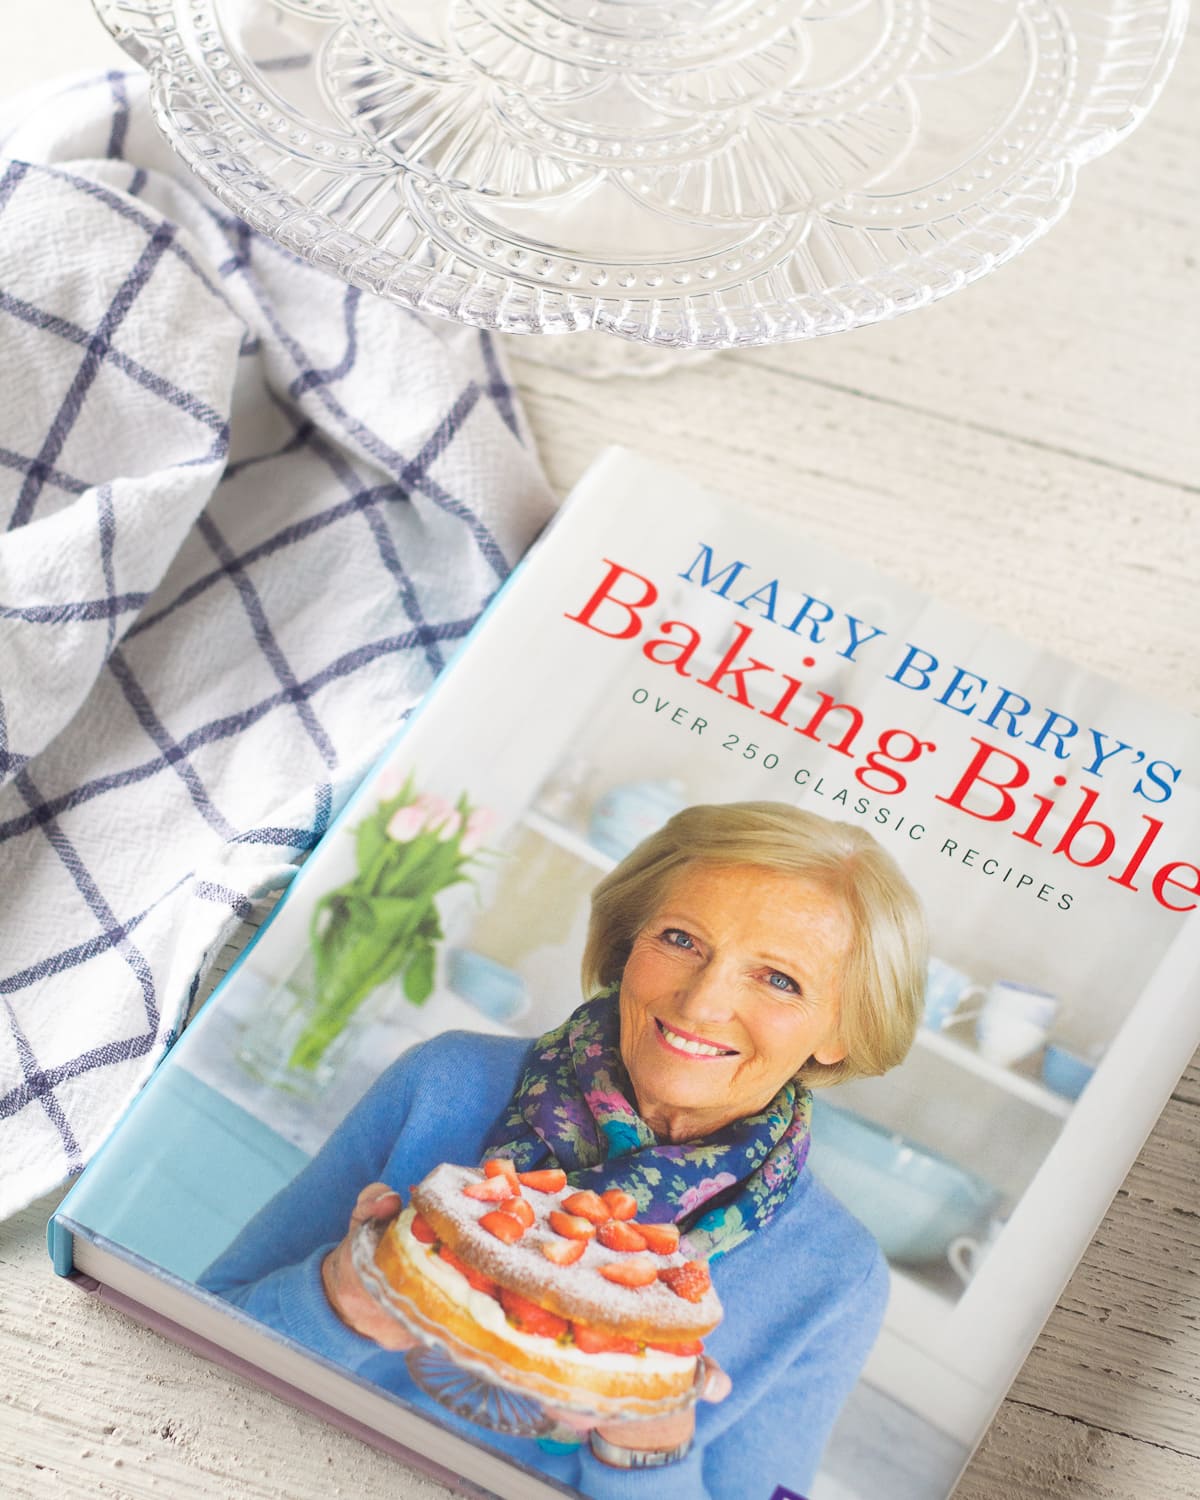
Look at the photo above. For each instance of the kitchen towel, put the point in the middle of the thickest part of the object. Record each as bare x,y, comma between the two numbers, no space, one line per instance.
246,515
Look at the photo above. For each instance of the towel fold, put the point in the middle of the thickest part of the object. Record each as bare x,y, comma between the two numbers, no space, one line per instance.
246,515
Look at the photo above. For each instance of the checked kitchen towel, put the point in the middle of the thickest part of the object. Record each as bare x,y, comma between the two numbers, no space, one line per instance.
246,514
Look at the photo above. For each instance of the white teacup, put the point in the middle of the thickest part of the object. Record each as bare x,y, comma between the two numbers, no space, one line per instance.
968,1252
1014,1022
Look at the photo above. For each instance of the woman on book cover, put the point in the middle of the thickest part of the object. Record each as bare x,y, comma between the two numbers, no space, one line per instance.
739,957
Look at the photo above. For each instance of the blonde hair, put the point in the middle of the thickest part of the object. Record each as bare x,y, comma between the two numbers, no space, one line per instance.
883,975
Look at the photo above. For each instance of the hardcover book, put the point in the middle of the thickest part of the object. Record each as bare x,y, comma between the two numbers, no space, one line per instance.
698,1055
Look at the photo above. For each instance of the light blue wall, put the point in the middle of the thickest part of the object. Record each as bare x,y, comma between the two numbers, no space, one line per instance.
183,1175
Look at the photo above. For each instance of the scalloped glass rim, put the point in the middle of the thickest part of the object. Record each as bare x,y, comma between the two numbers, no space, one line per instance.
1026,204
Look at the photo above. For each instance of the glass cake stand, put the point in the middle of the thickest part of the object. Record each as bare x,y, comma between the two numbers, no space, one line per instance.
466,1385
688,174
457,1386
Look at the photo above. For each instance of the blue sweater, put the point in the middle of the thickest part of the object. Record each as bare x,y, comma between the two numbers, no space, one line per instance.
803,1299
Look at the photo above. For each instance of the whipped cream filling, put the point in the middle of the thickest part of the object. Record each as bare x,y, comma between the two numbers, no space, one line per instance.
488,1313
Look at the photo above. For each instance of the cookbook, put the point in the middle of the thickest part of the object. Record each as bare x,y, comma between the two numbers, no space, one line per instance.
697,1056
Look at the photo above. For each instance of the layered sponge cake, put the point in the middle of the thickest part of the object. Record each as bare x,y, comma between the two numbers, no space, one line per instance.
550,1290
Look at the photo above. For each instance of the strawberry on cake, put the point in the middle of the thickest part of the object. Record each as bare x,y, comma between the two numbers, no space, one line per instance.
554,1291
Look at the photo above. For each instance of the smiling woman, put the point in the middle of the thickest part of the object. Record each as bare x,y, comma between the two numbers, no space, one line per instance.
740,955
733,983
813,909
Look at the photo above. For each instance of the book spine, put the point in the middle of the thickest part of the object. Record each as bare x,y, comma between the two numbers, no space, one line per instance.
294,1395
61,1244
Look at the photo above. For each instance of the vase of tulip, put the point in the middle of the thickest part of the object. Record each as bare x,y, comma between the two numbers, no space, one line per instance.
379,928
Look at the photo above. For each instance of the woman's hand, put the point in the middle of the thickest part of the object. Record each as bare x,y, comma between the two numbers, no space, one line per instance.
348,1297
656,1434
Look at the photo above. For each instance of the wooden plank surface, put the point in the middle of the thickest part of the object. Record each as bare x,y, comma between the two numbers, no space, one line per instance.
1027,449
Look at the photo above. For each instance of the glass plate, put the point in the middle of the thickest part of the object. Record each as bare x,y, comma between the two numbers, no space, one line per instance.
475,1399
688,173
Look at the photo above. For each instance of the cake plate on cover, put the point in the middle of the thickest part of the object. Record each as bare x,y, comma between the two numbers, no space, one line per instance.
458,1379
691,174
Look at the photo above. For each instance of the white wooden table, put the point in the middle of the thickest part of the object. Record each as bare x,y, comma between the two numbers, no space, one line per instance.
1027,449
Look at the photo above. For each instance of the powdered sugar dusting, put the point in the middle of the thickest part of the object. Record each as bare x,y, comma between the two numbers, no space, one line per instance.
522,1265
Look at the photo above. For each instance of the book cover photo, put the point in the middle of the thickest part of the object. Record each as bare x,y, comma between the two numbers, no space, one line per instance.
697,1057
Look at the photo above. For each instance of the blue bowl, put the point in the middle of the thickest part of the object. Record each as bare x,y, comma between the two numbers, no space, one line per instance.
1065,1073
913,1201
497,992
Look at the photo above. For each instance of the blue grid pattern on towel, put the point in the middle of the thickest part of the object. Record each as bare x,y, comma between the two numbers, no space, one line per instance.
313,483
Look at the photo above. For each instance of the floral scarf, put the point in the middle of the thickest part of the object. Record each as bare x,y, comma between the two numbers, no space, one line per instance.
573,1109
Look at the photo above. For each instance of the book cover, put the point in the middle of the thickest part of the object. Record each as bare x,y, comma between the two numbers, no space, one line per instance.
696,1059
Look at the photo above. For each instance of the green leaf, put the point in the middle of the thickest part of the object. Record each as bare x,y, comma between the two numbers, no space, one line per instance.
370,842
418,976
410,868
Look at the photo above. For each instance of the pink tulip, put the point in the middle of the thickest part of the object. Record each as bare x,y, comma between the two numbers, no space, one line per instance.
448,827
440,815
406,822
479,825
390,782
